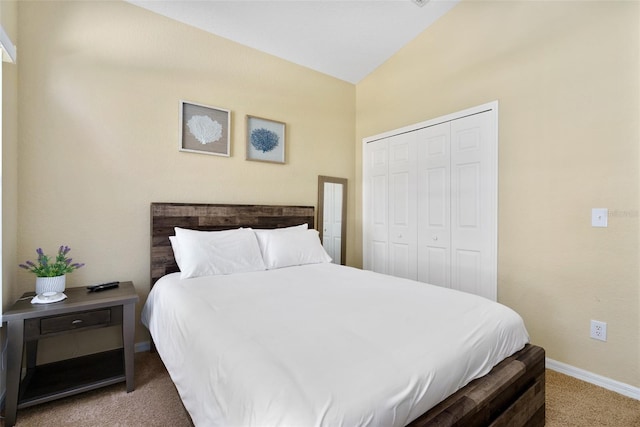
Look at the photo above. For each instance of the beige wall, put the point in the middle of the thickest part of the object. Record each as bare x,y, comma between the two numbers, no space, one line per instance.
566,75
100,90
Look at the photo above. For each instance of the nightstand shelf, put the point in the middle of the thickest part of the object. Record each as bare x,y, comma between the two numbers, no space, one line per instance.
82,311
68,377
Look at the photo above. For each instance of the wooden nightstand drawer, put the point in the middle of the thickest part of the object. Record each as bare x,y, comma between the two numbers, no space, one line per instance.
48,326
51,325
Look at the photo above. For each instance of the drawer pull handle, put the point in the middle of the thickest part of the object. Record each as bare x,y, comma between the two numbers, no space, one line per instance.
76,322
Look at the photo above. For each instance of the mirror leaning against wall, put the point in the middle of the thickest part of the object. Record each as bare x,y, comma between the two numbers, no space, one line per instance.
332,216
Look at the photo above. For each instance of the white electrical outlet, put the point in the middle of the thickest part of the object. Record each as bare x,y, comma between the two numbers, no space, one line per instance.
599,330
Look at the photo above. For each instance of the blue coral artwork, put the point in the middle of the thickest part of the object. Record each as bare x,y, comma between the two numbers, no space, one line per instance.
265,140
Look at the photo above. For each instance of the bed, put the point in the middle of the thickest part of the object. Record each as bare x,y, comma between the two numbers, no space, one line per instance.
238,356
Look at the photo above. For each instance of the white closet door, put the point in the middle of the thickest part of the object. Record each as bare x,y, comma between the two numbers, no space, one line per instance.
430,201
434,201
402,206
473,205
375,206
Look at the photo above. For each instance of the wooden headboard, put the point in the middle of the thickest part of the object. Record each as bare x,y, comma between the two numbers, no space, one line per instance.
206,217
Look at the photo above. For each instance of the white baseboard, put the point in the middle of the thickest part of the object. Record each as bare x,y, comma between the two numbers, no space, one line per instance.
142,346
590,377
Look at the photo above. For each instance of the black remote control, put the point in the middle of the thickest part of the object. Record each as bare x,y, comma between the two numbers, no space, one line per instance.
103,286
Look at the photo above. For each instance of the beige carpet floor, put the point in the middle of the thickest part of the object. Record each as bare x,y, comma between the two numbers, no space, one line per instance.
155,402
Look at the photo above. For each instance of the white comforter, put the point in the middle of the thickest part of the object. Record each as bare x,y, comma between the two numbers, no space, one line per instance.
322,345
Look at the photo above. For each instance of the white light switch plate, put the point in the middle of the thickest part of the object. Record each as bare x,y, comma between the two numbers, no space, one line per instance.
599,217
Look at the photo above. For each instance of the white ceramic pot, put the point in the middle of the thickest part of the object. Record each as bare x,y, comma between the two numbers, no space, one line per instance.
50,284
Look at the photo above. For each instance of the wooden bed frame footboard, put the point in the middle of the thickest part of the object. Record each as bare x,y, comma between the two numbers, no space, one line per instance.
511,395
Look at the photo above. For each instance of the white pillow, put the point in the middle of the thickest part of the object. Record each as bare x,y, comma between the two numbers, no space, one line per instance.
293,247
209,253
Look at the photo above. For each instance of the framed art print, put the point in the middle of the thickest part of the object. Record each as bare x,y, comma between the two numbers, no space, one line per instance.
265,140
205,129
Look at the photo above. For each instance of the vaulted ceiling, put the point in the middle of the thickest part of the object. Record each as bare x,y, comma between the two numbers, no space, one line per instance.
344,39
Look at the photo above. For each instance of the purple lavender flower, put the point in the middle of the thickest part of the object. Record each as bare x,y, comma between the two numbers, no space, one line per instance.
46,266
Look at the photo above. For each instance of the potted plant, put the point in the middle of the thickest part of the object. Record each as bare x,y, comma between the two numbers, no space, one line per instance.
51,272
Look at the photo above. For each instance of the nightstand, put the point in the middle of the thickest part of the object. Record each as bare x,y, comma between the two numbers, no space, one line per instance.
82,310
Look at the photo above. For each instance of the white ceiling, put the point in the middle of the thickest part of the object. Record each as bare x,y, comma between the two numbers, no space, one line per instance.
344,39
